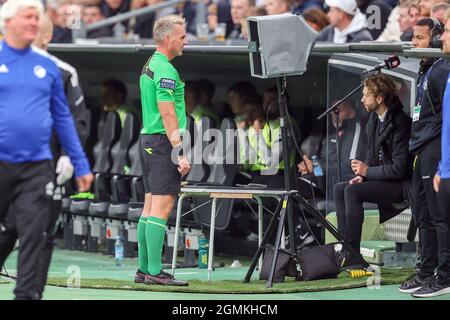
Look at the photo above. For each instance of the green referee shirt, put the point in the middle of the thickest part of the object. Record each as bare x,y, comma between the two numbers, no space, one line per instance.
160,82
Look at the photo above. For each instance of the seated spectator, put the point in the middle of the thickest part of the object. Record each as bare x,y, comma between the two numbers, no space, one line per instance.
404,21
114,95
224,15
142,26
347,23
278,6
352,143
300,6
194,107
379,179
379,21
61,32
92,14
316,18
414,14
438,11
253,12
426,6
265,142
112,7
239,11
212,19
239,95
206,106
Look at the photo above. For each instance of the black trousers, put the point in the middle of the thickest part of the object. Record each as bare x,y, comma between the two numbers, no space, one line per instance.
429,219
443,232
349,200
24,207
47,248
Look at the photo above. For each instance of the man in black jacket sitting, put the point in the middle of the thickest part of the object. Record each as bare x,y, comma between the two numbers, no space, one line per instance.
380,179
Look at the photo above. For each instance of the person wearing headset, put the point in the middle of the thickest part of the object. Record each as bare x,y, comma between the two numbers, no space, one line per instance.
425,147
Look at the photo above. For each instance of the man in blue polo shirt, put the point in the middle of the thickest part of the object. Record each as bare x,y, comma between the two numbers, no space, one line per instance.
32,103
440,284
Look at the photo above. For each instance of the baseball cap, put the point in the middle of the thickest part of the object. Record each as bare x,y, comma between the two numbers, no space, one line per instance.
348,6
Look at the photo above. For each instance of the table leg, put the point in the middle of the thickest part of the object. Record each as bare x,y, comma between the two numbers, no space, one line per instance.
260,228
211,238
177,233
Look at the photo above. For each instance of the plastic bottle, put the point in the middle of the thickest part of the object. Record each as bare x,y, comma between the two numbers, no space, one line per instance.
118,251
317,169
119,31
203,250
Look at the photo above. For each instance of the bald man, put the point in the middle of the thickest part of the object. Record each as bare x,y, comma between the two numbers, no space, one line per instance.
64,168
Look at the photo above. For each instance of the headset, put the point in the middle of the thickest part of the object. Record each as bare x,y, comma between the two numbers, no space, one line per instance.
436,39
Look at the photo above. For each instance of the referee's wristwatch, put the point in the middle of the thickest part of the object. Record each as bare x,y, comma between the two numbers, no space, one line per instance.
179,150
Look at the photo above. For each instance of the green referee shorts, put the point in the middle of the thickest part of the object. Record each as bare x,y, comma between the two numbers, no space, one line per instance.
159,174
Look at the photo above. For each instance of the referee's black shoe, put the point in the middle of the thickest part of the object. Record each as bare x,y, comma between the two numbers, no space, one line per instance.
433,288
165,279
139,277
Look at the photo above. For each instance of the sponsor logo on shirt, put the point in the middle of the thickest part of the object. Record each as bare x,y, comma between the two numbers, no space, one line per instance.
4,68
167,83
39,72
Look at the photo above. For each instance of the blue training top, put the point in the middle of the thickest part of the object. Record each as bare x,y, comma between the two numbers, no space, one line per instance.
444,165
32,102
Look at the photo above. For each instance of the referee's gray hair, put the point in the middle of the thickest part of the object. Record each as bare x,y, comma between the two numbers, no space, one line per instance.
164,26
11,7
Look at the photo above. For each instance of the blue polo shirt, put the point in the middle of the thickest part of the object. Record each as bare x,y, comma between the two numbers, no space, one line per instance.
32,103
444,165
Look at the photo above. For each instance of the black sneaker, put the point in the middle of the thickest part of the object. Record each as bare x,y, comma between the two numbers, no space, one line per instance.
433,288
302,237
347,261
413,283
139,277
164,278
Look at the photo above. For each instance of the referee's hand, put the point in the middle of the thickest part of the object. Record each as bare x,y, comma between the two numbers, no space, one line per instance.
183,165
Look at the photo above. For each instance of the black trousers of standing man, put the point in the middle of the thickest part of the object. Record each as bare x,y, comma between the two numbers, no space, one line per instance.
430,220
349,200
443,197
24,207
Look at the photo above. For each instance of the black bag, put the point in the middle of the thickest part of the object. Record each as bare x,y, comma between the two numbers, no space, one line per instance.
318,262
286,265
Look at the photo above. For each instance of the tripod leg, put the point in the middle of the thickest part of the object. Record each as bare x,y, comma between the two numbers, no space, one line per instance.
263,243
327,225
278,240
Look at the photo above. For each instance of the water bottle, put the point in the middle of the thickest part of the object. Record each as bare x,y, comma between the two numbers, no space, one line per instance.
118,251
119,31
317,169
203,250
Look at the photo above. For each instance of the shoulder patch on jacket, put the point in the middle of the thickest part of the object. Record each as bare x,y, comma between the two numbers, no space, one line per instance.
166,83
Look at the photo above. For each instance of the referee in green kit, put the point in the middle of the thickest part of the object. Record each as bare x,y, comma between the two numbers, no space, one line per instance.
164,121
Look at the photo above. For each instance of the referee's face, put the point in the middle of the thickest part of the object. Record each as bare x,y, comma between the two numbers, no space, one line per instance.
177,40
23,27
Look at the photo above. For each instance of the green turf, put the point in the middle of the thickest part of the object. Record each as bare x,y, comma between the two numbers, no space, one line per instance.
388,276
94,266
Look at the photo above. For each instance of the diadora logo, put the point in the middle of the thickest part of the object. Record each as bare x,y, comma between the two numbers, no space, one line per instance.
149,150
39,72
4,68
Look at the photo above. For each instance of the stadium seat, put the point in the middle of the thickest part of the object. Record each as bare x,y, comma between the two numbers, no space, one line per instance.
79,204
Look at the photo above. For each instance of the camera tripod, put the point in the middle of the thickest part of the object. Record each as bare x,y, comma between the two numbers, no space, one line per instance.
285,205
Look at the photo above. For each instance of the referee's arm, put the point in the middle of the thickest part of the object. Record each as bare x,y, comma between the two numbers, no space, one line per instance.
170,122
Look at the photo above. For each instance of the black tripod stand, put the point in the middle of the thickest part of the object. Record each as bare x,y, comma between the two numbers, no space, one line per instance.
285,203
